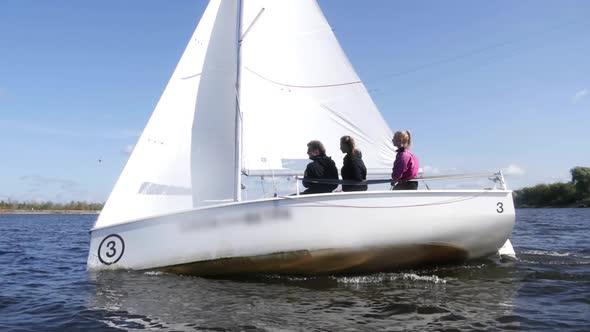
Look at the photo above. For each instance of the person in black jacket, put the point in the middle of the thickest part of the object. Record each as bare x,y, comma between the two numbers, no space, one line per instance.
322,167
353,167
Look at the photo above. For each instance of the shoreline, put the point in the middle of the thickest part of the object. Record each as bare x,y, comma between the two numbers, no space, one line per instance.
49,212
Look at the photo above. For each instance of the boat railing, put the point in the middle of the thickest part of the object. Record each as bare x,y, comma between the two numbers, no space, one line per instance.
497,178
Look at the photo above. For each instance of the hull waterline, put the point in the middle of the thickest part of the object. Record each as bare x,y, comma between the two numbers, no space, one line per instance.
325,261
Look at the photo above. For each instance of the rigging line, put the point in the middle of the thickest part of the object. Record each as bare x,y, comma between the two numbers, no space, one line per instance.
487,61
191,76
241,118
493,59
252,24
303,86
464,55
381,181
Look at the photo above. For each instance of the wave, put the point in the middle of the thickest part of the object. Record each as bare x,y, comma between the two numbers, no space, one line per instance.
546,253
555,253
388,277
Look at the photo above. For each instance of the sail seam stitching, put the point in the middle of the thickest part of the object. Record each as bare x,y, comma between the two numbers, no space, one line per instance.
303,86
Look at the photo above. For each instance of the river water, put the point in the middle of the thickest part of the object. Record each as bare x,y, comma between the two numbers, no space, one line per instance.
44,286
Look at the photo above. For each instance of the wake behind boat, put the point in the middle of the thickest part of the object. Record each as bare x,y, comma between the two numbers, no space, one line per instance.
258,80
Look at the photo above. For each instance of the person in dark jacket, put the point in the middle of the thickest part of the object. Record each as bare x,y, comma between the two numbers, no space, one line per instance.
322,167
353,167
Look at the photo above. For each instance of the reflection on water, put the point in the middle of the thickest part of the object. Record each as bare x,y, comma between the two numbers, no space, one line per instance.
479,295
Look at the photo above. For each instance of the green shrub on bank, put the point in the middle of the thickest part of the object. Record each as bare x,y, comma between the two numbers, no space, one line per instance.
571,193
48,206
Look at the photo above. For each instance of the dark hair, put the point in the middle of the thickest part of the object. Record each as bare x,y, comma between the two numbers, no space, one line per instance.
350,143
317,145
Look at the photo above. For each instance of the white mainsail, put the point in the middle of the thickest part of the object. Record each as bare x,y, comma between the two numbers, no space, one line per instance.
157,176
297,85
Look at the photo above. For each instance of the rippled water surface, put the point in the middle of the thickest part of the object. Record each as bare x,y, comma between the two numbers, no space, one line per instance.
44,286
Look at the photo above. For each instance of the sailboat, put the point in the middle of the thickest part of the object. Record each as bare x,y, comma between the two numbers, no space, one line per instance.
258,80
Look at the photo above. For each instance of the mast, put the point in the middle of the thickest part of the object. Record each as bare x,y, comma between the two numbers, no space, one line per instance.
238,122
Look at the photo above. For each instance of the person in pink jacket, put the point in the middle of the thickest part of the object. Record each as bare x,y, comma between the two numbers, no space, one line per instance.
406,164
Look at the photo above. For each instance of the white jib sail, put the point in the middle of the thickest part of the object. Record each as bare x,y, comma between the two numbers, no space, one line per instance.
157,176
297,85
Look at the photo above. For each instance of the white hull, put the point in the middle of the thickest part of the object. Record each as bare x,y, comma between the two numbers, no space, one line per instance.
313,234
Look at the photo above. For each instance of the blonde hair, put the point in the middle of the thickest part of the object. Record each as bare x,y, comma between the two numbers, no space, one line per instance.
350,144
405,138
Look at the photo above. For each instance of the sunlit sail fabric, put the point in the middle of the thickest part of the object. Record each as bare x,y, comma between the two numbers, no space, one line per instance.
214,145
157,176
297,85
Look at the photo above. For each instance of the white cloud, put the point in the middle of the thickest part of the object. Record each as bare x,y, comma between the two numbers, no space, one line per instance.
436,171
580,95
513,170
39,188
429,170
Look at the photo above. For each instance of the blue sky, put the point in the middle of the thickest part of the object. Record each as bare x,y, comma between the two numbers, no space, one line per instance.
483,85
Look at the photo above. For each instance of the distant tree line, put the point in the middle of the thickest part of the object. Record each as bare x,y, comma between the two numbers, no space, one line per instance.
73,205
573,193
